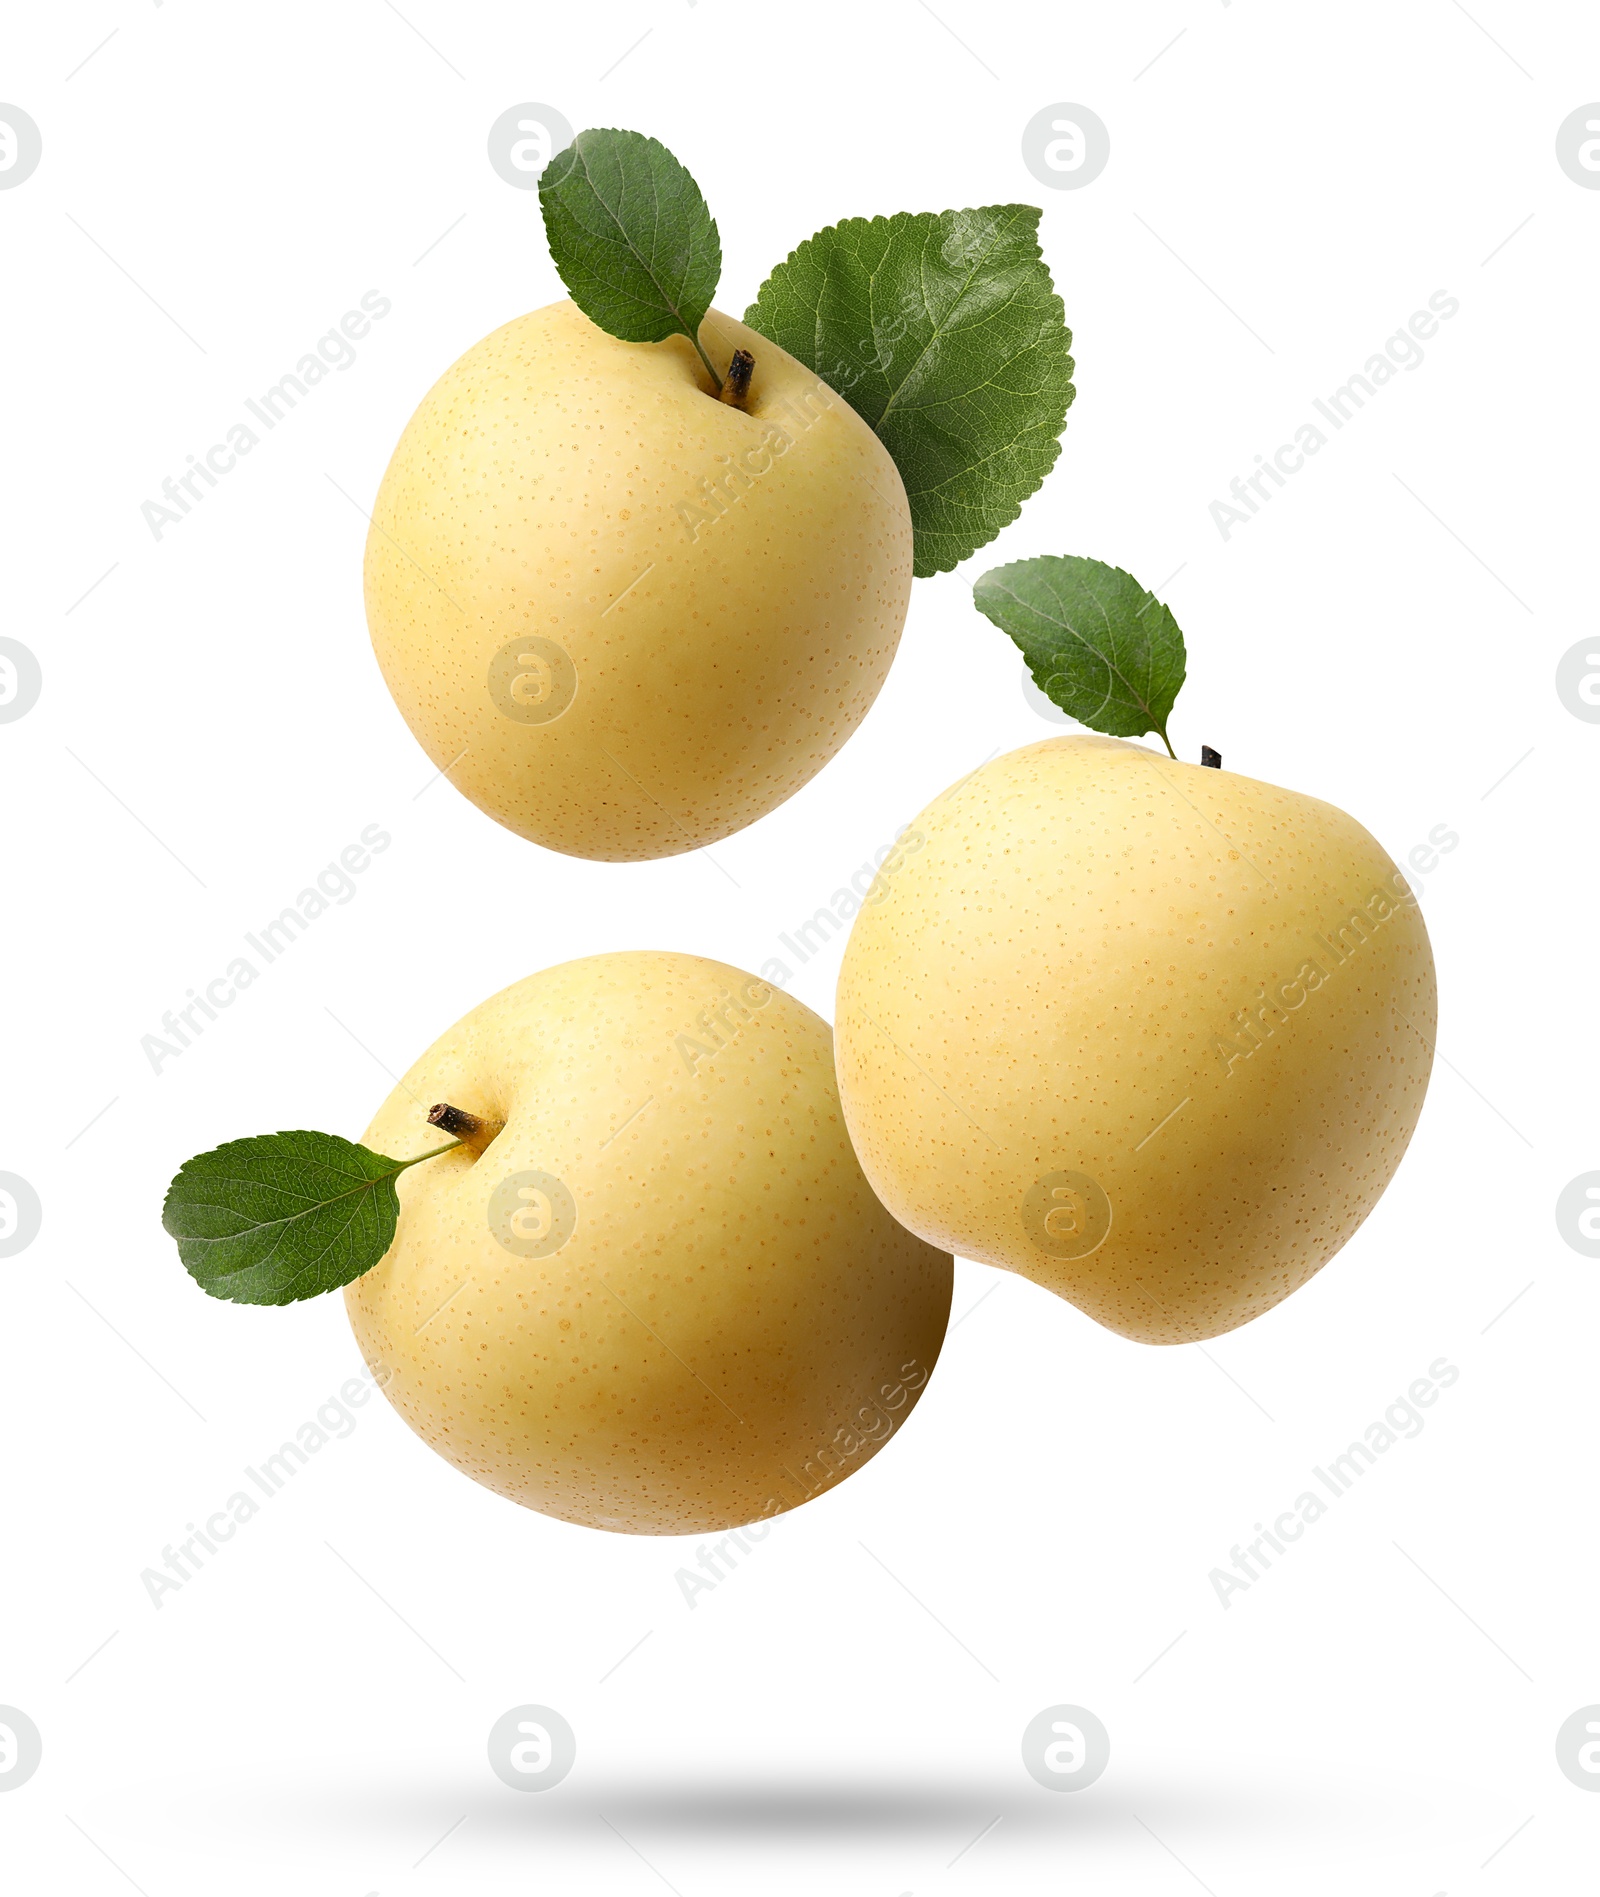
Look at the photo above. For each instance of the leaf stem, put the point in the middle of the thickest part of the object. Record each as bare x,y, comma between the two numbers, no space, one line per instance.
717,379
401,1165
1168,743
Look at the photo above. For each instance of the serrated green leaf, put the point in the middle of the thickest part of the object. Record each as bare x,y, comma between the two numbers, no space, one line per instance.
944,332
634,241
283,1216
1098,644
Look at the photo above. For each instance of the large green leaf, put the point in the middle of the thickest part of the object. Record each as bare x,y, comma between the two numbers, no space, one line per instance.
283,1216
944,332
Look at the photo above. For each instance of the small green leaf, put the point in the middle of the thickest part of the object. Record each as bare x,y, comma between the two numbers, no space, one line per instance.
633,239
944,332
283,1216
1097,643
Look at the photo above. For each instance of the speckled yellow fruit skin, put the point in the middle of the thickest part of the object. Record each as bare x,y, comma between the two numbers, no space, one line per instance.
734,1324
1092,942
554,485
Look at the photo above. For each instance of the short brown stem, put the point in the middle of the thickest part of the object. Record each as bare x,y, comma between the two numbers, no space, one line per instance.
1213,759
473,1133
736,386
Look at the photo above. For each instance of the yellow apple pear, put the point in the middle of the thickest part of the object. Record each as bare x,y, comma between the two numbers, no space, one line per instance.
624,617
1153,1035
650,1290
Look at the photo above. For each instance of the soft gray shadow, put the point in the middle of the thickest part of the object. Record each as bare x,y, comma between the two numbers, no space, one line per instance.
945,1809
840,1806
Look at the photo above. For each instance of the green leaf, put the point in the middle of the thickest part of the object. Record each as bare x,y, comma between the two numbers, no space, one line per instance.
283,1216
1098,644
944,332
633,239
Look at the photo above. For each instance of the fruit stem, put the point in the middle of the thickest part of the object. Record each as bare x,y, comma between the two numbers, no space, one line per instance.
469,1130
1211,758
736,390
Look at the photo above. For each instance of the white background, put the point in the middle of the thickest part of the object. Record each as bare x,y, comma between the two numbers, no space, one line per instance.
1286,185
